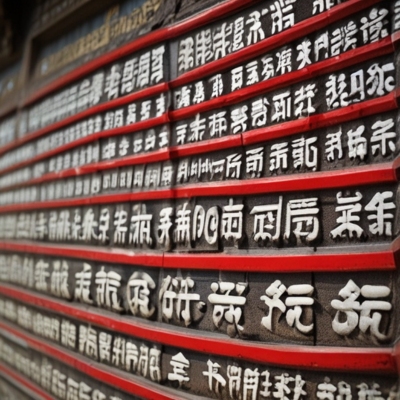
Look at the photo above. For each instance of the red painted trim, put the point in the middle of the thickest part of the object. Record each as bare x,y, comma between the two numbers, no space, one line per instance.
110,255
206,17
126,129
380,260
363,175
378,257
352,57
121,381
348,359
384,46
206,146
301,29
12,376
367,108
323,120
148,92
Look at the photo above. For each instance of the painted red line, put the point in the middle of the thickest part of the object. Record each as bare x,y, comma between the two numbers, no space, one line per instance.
379,257
382,260
126,129
145,158
206,146
301,29
352,57
12,376
349,359
109,255
148,92
354,111
358,110
122,381
159,36
385,46
363,175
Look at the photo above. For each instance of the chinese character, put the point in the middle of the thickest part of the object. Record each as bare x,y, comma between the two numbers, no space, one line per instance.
228,307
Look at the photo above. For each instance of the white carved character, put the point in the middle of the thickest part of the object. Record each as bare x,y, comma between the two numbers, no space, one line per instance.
186,54
282,107
333,146
303,214
204,51
82,284
382,135
303,53
179,365
349,207
282,15
304,100
213,375
138,289
228,307
359,314
239,119
304,153
381,219
140,227
221,44
374,27
113,80
108,284
254,162
267,222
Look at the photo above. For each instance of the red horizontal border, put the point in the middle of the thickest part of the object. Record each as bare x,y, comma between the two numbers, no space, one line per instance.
349,359
15,378
122,381
358,110
110,255
206,17
363,175
378,257
151,91
347,59
126,129
301,28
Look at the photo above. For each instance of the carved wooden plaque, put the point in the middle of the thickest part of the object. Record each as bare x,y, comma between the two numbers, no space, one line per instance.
207,210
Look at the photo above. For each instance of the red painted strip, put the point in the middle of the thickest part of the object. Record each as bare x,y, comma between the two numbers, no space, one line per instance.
358,110
160,35
352,57
349,359
364,175
301,29
381,260
122,381
384,46
10,374
145,158
110,255
126,129
206,146
354,111
380,257
151,91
